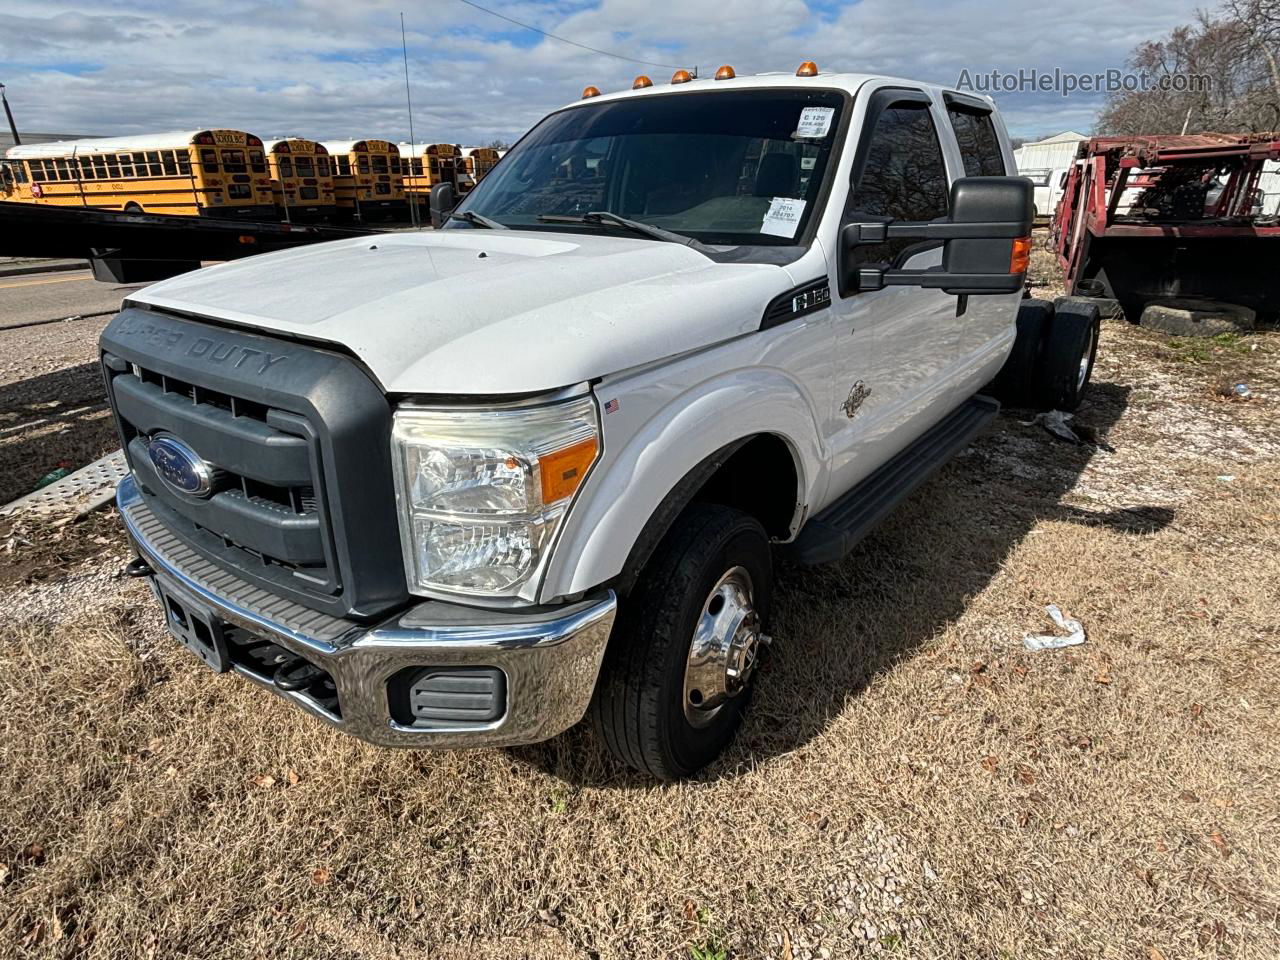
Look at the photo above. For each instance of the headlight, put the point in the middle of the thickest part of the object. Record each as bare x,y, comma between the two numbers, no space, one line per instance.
482,492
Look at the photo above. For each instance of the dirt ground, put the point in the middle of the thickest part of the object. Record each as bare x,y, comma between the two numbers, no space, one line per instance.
53,406
910,781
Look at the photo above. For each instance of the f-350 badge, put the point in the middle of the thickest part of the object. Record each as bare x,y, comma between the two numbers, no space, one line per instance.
858,393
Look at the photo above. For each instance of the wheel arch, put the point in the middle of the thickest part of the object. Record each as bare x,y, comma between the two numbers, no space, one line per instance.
769,470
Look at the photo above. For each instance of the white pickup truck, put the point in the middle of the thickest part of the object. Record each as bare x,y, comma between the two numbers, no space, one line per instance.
465,486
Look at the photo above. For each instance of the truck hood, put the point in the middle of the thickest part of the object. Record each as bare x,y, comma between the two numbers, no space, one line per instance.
485,311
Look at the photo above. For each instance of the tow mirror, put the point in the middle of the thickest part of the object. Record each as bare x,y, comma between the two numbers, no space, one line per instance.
443,199
986,241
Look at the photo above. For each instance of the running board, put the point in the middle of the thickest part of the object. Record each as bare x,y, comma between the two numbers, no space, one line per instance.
835,531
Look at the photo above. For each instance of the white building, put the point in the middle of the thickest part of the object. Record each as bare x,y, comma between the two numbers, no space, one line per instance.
1269,184
1044,162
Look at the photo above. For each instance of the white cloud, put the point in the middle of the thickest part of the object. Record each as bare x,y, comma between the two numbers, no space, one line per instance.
317,68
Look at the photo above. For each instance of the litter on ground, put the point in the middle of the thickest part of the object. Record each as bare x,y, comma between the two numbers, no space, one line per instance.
1049,641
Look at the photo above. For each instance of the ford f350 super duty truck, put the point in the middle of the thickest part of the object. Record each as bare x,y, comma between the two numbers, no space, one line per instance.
466,486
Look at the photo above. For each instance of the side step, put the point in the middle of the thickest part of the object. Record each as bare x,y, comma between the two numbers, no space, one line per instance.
835,531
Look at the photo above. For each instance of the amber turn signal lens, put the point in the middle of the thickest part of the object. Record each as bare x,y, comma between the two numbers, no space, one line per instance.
641,82
681,76
562,471
1020,258
807,69
725,73
590,92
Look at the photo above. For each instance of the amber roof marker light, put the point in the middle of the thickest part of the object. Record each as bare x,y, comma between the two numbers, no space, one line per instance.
681,76
590,92
725,73
807,69
641,82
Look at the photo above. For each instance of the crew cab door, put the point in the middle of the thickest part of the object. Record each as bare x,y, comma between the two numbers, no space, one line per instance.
976,147
892,345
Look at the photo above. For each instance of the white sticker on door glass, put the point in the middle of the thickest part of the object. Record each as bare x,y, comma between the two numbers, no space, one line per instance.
815,121
783,217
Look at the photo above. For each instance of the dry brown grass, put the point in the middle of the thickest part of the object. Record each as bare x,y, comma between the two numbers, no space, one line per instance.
906,766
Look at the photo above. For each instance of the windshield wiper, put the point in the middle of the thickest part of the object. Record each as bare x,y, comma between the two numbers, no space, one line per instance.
648,229
479,219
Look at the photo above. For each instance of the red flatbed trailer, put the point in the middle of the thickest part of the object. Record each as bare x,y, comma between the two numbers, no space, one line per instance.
1173,237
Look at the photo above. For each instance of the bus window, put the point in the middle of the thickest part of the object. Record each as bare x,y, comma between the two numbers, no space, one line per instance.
233,161
209,161
139,164
100,167
257,162
86,168
322,164
154,169
184,163
125,164
285,165
304,166
309,193
379,163
395,164
170,163
363,162
239,191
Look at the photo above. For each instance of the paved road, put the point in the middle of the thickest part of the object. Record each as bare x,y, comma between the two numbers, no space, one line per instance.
55,295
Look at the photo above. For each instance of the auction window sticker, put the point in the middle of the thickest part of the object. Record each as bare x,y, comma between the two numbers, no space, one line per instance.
815,122
783,217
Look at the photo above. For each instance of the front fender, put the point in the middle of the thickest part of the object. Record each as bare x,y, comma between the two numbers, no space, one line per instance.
654,435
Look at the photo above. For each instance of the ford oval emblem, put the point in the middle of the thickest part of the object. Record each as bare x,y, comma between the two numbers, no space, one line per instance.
179,466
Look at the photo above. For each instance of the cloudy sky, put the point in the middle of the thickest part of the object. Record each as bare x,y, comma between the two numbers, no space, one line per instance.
323,68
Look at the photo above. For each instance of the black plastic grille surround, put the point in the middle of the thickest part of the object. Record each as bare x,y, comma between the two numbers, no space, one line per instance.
296,440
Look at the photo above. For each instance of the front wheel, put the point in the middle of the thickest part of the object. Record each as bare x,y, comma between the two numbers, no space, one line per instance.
678,672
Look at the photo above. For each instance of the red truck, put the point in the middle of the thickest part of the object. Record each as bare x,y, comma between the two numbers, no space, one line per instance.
1147,218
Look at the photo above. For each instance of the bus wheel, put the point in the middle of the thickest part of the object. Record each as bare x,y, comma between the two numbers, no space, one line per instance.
132,208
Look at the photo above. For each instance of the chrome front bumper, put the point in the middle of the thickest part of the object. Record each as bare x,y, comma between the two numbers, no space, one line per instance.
550,659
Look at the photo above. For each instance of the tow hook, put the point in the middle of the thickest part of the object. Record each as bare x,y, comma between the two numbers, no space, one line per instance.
296,674
138,568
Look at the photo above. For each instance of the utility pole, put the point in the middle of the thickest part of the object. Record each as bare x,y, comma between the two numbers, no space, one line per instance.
13,127
408,98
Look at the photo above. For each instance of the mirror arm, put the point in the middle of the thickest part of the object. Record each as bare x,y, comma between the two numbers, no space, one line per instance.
935,278
857,234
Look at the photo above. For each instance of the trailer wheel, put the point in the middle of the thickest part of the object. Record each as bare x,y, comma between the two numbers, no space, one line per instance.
1070,347
1015,384
677,675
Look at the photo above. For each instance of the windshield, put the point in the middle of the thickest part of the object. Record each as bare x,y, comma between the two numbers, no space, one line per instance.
741,167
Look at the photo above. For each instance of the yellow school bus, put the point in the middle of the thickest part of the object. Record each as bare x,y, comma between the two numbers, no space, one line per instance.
368,182
480,160
431,163
210,173
301,180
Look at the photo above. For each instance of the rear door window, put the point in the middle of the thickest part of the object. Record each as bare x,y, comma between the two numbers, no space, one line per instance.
979,146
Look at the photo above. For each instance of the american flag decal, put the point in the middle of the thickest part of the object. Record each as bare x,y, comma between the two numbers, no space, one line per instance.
611,406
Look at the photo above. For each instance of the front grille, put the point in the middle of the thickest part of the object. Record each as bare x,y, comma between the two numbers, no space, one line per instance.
263,510
291,445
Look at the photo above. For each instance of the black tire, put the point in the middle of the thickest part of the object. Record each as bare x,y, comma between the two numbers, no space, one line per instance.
1070,347
1015,384
638,711
132,207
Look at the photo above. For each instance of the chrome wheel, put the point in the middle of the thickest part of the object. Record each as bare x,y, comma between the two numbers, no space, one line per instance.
1082,375
726,645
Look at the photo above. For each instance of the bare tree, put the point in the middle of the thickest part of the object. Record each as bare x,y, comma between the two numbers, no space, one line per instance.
1236,52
